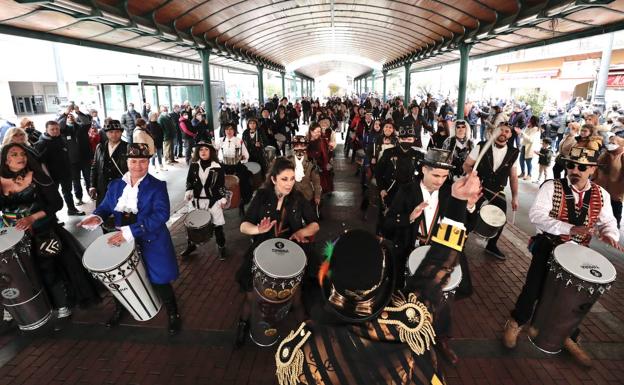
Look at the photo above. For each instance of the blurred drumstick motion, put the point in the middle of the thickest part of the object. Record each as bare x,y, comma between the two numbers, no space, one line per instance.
486,146
513,217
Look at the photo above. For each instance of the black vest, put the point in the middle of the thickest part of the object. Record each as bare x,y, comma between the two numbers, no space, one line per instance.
496,180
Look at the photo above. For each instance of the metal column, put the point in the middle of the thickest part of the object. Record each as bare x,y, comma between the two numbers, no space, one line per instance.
603,74
373,82
260,85
283,83
408,79
464,51
366,84
205,56
301,87
385,75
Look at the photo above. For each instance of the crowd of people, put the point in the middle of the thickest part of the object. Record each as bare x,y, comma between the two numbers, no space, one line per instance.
427,173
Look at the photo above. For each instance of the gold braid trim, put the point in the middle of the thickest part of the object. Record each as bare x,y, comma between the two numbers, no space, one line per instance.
450,236
288,371
419,337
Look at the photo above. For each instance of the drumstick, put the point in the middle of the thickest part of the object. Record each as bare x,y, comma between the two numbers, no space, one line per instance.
486,146
513,217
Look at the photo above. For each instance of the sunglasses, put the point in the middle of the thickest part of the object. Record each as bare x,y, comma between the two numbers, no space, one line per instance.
572,165
460,126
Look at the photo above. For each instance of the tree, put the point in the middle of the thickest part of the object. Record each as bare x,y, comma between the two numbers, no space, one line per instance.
536,99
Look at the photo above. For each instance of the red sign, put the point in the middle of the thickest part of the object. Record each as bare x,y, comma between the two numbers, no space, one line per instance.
615,81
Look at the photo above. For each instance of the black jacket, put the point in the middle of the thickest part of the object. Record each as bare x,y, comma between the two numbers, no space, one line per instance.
157,134
54,154
256,154
104,170
128,121
214,186
77,137
395,168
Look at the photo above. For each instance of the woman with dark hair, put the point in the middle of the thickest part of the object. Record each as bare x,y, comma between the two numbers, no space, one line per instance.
318,150
276,211
442,133
205,187
29,202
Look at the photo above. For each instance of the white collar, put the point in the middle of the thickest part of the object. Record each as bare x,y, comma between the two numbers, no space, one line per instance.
586,188
129,200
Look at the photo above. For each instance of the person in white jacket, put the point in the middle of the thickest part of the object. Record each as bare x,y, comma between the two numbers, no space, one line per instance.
530,140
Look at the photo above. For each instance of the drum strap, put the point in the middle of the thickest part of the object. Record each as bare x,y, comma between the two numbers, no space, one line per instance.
576,217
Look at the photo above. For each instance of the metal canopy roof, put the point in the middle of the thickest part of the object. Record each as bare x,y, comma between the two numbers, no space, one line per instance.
274,33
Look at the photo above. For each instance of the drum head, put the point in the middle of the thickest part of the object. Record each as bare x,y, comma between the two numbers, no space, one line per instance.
102,257
197,218
454,279
253,167
584,263
493,215
9,237
280,258
416,257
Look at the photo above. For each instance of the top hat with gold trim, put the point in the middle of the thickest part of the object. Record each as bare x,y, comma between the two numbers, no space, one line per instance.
582,155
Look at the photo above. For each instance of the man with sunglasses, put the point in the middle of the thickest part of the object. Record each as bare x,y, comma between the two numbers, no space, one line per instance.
568,209
496,169
396,168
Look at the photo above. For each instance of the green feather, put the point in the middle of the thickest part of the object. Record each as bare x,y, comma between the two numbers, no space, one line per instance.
328,250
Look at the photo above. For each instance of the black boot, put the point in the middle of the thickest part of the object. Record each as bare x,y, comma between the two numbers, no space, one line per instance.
190,247
221,253
116,317
175,322
241,333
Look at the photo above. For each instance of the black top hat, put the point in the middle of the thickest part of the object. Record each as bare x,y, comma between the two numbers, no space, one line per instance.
438,158
582,155
139,150
358,275
407,132
202,143
113,125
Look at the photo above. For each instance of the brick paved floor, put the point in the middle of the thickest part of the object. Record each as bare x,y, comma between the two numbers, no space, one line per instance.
85,352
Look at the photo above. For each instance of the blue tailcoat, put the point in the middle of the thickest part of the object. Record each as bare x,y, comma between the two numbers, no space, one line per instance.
150,230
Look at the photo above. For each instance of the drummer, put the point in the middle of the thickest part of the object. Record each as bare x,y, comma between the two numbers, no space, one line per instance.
276,211
29,201
205,187
255,142
307,179
555,223
141,214
414,217
232,155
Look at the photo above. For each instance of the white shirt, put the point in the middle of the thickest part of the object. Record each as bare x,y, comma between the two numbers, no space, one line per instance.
539,213
231,147
128,202
112,148
432,205
299,170
498,154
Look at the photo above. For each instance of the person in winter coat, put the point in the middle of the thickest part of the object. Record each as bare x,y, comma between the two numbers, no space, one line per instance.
158,135
53,153
142,134
129,121
188,135
80,154
169,131
31,131
610,174
529,138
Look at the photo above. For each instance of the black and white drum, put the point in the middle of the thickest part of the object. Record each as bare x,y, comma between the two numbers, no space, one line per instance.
490,220
21,289
199,226
415,259
577,277
122,271
278,267
256,172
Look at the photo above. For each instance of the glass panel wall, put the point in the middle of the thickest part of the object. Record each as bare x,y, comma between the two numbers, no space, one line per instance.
114,100
151,96
133,95
164,97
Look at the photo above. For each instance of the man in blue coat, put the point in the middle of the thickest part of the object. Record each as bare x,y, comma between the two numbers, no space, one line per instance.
140,204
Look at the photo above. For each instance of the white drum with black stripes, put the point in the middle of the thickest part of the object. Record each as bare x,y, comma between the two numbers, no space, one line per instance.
122,270
415,259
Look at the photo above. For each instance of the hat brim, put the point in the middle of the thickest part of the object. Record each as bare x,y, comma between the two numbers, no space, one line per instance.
446,166
586,163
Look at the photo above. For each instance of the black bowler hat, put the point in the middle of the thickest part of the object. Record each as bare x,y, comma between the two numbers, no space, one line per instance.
438,158
139,150
113,125
202,143
358,275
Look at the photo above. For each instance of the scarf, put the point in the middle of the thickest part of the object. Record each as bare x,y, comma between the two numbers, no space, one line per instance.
299,171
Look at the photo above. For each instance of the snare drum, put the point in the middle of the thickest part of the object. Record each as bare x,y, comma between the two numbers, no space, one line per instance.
122,271
491,220
256,172
199,226
21,289
577,277
232,192
278,267
269,154
230,160
415,259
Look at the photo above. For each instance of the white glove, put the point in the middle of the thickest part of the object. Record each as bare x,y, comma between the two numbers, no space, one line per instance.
188,195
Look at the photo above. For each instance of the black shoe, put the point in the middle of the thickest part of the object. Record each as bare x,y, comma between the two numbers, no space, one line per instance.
241,333
492,249
115,318
174,323
189,249
75,212
221,253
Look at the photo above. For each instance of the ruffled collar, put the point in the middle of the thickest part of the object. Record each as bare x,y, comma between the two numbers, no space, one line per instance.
128,201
